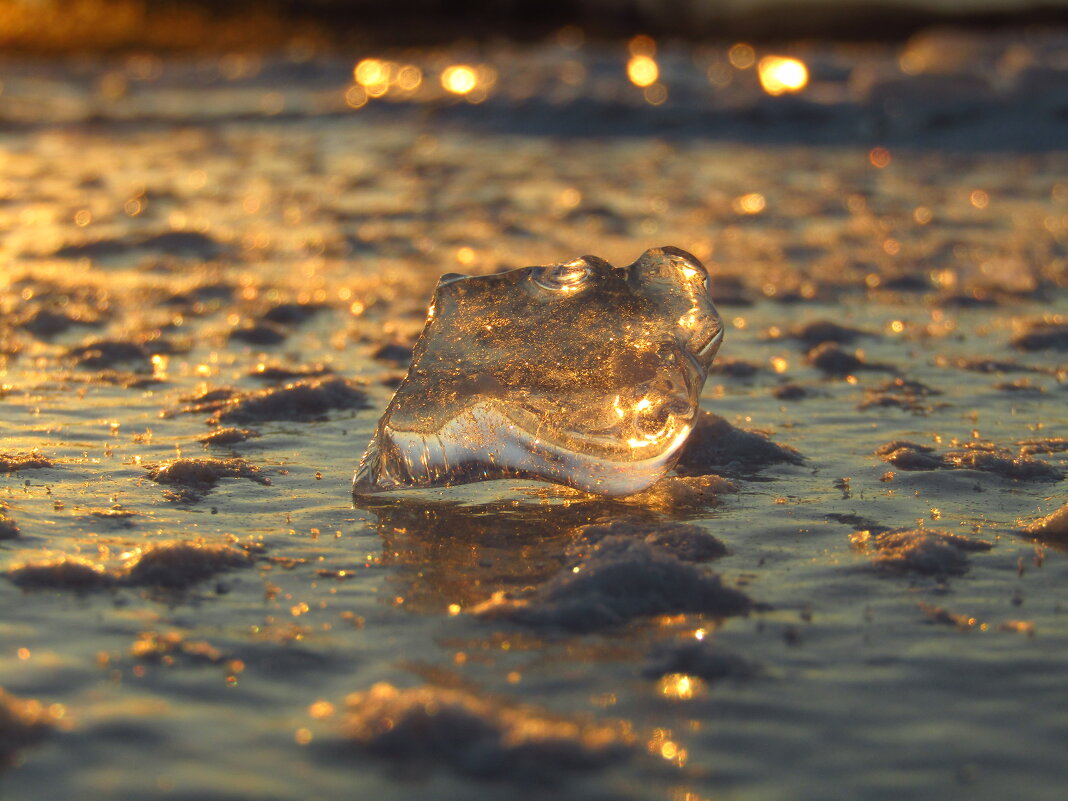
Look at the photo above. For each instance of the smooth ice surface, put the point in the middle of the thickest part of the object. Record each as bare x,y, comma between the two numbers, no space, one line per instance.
580,373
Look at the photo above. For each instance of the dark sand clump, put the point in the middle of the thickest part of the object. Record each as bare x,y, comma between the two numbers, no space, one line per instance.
981,364
1022,385
735,368
820,331
293,313
177,565
832,359
8,529
984,458
64,572
194,478
704,658
185,243
48,323
1043,445
117,518
899,393
1053,528
209,400
171,565
687,542
259,333
858,522
393,353
962,622
23,722
623,578
789,391
942,616
717,446
910,455
228,436
170,647
1003,463
300,400
478,736
110,353
276,373
926,551
1043,336
12,462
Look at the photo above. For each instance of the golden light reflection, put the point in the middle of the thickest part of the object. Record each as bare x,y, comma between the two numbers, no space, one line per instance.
371,71
663,746
459,79
321,709
680,686
642,71
780,75
879,157
752,203
356,97
409,78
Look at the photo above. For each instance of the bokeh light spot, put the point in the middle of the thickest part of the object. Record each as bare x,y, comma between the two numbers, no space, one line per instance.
779,75
642,71
742,56
459,79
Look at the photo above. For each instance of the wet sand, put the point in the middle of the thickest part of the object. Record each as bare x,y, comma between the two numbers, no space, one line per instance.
214,271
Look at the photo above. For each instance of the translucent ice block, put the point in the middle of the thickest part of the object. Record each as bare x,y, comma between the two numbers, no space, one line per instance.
581,373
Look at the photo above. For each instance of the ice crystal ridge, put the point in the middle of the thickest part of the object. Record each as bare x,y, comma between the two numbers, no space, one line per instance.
581,373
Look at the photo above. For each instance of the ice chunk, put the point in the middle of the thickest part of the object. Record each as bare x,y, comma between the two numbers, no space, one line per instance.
581,373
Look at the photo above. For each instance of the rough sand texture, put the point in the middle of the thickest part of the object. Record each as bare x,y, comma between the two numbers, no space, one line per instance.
23,722
686,542
301,400
934,553
478,736
175,565
622,578
1052,528
192,479
13,462
717,446
8,528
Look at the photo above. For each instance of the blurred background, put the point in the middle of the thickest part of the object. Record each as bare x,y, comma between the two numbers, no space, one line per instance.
44,25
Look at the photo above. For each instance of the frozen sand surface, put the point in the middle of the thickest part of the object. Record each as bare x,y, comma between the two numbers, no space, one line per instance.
246,247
